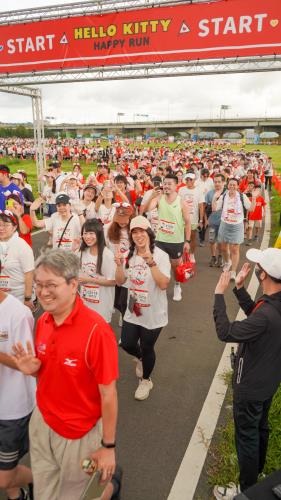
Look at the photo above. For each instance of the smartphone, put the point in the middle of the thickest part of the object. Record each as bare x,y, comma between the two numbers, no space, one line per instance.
94,489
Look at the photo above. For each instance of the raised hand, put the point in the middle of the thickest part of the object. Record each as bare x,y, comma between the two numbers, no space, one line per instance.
36,204
242,275
223,282
25,360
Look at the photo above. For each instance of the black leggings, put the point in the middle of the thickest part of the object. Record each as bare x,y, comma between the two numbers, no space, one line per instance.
139,342
268,182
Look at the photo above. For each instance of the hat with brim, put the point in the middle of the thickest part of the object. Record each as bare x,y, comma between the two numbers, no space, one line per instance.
139,222
269,260
190,175
62,198
122,214
16,176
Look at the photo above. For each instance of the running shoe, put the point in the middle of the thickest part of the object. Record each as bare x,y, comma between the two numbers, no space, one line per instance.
139,368
232,276
228,492
227,266
177,293
220,261
213,261
143,390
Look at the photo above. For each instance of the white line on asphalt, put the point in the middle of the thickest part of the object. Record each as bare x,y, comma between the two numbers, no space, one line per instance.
188,475
38,232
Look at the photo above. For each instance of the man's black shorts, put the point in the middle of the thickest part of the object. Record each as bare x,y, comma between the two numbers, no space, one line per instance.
174,250
14,442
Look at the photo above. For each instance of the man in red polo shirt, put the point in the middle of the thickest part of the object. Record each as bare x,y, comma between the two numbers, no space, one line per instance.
76,365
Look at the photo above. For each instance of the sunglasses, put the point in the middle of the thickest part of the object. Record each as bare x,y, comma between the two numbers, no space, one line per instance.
123,205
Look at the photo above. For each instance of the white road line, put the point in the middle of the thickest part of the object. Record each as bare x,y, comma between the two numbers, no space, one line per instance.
38,232
188,475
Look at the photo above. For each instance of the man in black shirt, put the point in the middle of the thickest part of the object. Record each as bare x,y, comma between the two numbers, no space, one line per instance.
257,371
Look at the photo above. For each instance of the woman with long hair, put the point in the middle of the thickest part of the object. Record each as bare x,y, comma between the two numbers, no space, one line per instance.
97,276
104,204
117,239
147,272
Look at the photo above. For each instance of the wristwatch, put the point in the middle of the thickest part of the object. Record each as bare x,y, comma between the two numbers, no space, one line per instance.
27,299
108,445
188,241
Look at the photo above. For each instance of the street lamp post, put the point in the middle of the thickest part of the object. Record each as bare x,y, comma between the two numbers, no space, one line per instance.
223,109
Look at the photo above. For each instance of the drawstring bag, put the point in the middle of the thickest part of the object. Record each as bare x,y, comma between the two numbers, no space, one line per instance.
186,270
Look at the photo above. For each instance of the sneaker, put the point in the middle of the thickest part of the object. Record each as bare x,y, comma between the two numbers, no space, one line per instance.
232,276
143,390
213,261
220,261
256,237
139,368
227,266
228,492
201,243
177,292
192,258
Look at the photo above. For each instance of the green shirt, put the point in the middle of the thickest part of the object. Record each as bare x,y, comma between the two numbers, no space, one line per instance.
171,221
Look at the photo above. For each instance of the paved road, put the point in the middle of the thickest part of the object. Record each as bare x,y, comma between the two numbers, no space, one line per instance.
153,434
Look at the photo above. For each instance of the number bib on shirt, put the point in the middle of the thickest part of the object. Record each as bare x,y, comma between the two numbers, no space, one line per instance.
66,245
167,227
90,293
5,283
141,297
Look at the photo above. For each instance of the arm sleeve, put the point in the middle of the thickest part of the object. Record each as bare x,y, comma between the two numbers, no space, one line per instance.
247,202
26,256
102,354
244,331
244,299
27,220
164,264
23,329
49,224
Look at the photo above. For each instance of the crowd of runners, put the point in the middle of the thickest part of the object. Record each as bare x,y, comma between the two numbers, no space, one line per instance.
117,238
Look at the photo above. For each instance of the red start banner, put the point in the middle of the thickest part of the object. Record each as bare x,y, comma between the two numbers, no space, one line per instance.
185,32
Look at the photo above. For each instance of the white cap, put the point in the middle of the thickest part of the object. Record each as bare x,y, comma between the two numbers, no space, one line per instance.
269,260
190,175
139,222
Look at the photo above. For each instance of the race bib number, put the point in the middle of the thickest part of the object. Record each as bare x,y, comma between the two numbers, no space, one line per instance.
167,227
5,283
91,293
141,297
66,245
233,216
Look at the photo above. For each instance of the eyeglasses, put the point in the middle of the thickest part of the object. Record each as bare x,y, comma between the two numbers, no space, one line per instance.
49,287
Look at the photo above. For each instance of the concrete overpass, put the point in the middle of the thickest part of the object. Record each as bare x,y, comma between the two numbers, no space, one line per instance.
171,127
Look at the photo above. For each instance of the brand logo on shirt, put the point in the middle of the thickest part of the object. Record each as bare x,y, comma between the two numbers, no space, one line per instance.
41,348
3,336
70,362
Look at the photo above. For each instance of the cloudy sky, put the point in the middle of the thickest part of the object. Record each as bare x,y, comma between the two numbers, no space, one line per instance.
256,94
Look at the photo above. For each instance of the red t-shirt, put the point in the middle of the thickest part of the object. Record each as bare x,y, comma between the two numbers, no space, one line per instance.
257,213
28,222
76,357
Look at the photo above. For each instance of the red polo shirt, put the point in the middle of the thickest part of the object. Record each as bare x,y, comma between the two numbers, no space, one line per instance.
76,357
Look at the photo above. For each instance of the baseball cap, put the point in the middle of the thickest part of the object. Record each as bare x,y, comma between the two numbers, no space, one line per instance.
4,169
190,175
62,198
269,260
139,222
16,176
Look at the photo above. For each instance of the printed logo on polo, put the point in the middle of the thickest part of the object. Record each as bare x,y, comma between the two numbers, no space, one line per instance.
41,348
3,336
70,362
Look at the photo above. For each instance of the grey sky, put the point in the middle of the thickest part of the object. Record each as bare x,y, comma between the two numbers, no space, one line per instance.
256,94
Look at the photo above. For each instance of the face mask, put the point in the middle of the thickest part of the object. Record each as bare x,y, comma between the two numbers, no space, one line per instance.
258,272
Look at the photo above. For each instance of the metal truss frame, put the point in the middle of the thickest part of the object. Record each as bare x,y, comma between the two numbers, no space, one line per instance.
156,70
38,123
89,7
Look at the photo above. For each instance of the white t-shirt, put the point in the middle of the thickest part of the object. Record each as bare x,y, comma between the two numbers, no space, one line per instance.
233,212
55,224
193,197
16,259
206,185
99,298
106,214
122,246
152,215
49,195
17,391
59,179
153,301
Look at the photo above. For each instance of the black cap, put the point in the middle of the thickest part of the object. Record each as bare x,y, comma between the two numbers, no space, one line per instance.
62,198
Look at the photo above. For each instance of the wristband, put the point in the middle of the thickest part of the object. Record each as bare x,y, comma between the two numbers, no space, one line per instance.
27,299
188,241
151,264
108,445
